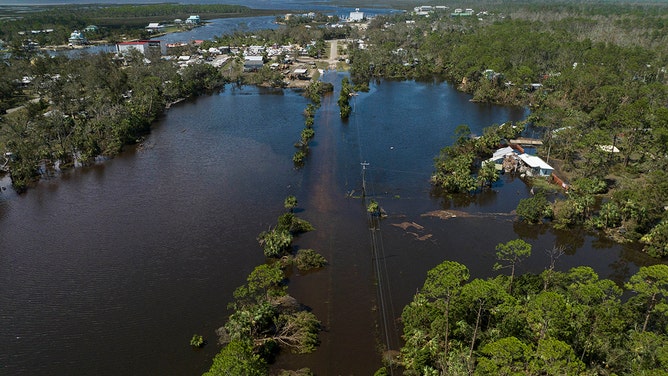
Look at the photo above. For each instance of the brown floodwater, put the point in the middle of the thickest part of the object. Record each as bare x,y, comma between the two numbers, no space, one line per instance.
111,269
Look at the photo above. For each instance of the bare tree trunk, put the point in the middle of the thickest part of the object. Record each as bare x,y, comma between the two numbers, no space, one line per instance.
475,334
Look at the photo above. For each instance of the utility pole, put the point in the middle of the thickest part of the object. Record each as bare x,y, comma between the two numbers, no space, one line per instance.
364,164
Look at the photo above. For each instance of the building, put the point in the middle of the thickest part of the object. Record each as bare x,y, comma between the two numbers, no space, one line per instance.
154,27
460,13
356,16
77,38
193,20
537,166
149,48
253,63
501,154
91,29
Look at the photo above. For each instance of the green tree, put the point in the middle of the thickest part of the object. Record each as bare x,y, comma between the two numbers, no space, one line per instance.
290,203
507,356
534,209
656,241
275,242
479,297
445,282
510,254
651,285
238,358
487,174
555,357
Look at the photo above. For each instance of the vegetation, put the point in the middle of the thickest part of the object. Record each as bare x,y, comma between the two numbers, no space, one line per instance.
555,323
114,21
595,76
458,165
90,107
344,98
314,91
265,318
197,341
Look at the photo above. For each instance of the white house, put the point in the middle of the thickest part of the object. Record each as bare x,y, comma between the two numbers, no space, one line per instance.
193,20
146,47
356,16
538,166
500,154
253,62
154,27
77,38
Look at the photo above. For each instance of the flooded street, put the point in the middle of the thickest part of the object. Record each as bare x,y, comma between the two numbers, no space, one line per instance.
111,269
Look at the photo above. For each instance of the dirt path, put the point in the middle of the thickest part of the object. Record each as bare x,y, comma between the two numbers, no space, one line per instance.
333,53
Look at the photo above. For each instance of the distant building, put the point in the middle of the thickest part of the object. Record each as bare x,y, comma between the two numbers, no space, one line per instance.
91,29
461,13
154,27
77,38
149,48
253,63
356,16
193,20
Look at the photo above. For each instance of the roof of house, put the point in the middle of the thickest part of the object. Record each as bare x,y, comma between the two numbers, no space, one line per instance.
501,153
533,162
300,71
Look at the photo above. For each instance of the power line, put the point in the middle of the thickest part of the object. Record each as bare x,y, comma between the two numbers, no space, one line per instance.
378,256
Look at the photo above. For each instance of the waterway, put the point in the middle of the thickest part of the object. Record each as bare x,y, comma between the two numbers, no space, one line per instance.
111,269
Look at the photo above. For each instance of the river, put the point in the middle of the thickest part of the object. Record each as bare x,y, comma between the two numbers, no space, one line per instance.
111,269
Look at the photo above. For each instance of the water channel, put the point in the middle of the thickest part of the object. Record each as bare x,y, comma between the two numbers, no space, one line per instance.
110,270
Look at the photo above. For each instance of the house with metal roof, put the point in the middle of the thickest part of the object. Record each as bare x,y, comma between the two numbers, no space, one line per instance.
536,165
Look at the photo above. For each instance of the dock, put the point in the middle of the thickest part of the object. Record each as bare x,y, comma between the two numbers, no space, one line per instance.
525,141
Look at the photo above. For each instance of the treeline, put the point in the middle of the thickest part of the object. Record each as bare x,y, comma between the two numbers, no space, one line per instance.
113,20
555,323
88,107
160,10
265,319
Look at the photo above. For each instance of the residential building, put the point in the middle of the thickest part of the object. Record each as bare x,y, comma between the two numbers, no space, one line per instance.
77,38
356,16
193,20
149,48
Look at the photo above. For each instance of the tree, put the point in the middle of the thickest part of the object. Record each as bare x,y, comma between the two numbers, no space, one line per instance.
238,358
197,341
534,209
479,297
290,203
445,282
344,98
555,357
266,281
656,241
275,242
510,254
651,284
298,331
507,356
307,259
487,174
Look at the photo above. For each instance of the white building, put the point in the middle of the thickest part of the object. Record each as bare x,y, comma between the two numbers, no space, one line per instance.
356,16
538,166
193,20
253,62
146,47
77,38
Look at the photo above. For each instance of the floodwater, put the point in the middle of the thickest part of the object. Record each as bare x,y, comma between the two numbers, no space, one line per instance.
111,269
